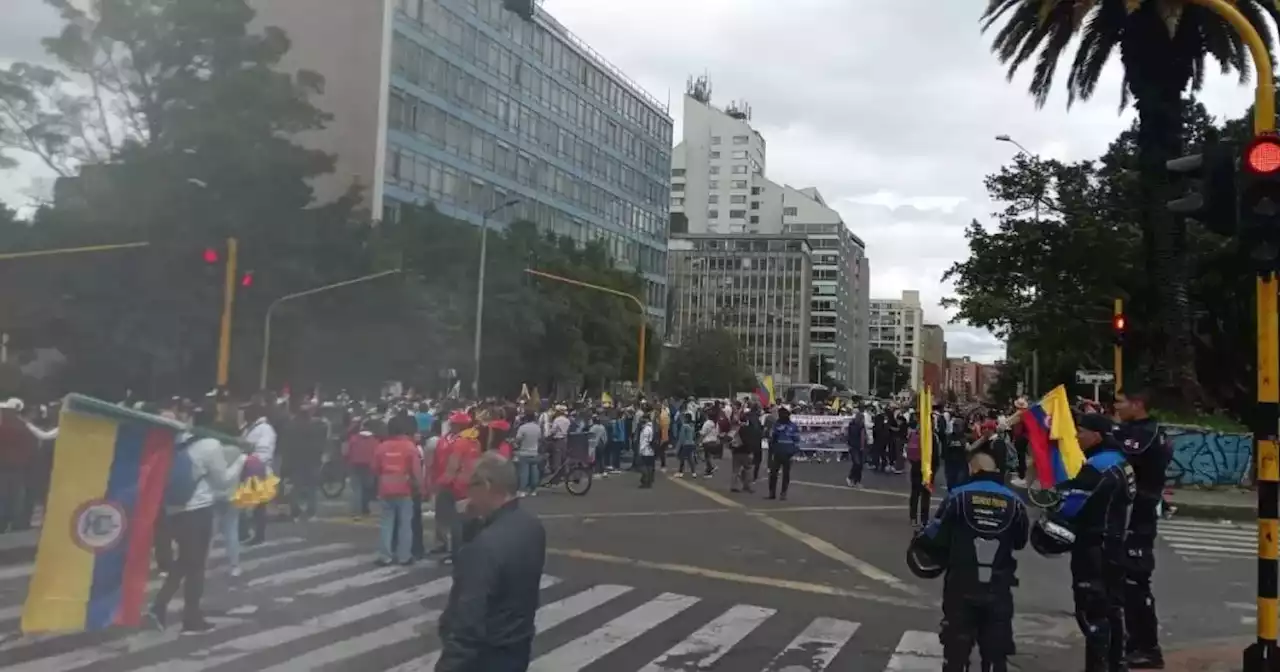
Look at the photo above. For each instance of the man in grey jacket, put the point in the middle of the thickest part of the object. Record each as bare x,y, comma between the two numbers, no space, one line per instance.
488,625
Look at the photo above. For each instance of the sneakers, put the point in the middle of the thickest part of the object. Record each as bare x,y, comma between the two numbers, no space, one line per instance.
1139,660
1018,482
154,620
849,482
235,572
198,628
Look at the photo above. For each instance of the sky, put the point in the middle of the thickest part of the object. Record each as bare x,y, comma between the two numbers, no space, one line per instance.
889,107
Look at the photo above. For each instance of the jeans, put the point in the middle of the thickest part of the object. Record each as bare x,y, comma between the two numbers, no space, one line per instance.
227,523
779,463
394,521
918,506
855,464
363,489
741,479
528,475
257,519
192,531
13,497
615,455
687,456
646,470
304,500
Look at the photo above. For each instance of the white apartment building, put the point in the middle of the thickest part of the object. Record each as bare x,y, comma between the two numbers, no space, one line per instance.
897,325
718,185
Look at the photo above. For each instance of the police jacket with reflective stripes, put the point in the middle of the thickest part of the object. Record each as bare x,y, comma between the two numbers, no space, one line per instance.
1096,502
976,530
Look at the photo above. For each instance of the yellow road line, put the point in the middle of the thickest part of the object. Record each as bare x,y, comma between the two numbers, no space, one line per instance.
633,514
782,584
869,491
835,553
797,509
709,494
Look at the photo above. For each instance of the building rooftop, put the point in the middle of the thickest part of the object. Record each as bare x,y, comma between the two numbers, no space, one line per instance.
554,25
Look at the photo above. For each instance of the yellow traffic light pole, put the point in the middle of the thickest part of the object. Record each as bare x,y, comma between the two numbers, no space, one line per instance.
1119,349
228,304
1263,655
639,304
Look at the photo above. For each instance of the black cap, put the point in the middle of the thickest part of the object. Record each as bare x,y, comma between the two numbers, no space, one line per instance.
1096,422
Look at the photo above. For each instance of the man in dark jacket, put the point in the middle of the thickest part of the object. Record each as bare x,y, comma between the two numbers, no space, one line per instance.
302,446
750,443
488,625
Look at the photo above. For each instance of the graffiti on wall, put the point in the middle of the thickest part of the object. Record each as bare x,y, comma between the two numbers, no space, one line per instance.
1205,457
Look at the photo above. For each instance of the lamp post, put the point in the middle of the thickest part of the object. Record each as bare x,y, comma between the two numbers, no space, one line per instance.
1035,354
484,253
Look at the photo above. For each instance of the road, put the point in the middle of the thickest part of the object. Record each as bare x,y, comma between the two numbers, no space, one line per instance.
682,577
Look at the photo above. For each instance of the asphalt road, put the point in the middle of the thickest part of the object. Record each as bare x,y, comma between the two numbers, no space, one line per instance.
682,577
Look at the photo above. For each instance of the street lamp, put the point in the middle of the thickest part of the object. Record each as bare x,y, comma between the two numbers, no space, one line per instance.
1004,138
484,253
1035,354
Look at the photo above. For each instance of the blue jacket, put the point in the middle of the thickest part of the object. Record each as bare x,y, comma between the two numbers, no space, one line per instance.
785,439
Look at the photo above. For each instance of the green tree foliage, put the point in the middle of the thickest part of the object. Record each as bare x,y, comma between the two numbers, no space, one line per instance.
1068,242
823,377
888,375
170,122
708,363
1163,48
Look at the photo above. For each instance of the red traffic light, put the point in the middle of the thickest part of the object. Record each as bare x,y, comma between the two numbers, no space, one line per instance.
246,280
1118,323
210,255
1262,156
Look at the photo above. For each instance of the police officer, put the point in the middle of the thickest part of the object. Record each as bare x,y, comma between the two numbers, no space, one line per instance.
972,539
1147,448
1095,506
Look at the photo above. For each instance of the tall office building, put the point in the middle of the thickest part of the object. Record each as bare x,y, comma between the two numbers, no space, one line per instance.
933,349
465,105
718,185
756,286
897,325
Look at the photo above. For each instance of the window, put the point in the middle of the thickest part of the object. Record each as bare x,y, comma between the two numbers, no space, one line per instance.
789,212
677,201
740,139
715,170
715,139
755,205
677,172
713,184
755,219
678,186
739,184
713,214
755,191
713,199
739,170
740,154
737,214
715,155
738,199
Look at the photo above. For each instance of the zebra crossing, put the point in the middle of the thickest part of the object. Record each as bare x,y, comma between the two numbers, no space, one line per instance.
300,607
1206,542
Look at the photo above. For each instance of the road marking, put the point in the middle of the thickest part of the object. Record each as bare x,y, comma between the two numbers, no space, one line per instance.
631,514
548,617
799,509
705,492
613,635
815,647
399,631
765,581
917,652
839,555
356,581
240,647
290,555
309,572
19,571
712,641
869,491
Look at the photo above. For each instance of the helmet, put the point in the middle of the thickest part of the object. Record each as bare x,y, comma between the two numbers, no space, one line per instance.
921,562
1051,538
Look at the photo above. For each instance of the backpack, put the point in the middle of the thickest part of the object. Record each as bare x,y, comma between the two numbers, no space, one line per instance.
182,476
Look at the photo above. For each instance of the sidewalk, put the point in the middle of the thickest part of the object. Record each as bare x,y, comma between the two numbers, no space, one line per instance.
1224,503
1222,655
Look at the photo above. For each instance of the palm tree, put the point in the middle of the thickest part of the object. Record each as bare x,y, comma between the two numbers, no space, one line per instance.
1163,45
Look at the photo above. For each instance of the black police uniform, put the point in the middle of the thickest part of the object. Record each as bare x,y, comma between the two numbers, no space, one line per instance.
1096,506
974,536
1148,450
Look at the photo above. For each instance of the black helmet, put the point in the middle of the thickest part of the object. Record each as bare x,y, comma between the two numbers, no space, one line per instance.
922,563
1051,538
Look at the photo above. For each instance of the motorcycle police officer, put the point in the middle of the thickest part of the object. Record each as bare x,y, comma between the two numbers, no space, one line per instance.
1090,522
1146,446
972,539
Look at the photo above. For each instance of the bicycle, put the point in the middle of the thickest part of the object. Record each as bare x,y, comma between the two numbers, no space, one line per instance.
333,477
575,470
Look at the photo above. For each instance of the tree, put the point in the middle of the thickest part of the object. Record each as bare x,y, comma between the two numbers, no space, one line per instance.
708,363
888,375
823,376
1163,47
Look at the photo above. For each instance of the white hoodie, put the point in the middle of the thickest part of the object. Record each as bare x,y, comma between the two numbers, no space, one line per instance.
213,476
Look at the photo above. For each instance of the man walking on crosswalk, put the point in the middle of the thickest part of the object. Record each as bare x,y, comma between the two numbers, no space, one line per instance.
488,625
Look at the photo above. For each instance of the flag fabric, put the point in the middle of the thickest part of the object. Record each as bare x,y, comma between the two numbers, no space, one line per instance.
110,470
925,399
765,392
1051,438
606,399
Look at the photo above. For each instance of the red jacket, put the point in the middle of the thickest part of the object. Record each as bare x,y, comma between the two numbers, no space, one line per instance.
453,465
18,446
398,467
361,447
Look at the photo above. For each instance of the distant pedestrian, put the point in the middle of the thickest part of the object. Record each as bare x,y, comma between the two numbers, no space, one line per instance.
783,445
488,624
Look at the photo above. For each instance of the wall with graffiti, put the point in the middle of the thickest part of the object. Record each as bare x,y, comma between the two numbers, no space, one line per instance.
1205,457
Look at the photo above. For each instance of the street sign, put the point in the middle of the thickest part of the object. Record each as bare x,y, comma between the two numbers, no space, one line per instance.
1095,377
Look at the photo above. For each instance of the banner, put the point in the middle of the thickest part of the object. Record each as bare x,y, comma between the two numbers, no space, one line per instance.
110,470
822,432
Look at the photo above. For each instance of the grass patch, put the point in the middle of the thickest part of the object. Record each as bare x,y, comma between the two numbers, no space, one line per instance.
1218,423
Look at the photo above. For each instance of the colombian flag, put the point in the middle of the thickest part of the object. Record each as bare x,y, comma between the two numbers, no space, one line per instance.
110,470
1051,435
925,411
765,392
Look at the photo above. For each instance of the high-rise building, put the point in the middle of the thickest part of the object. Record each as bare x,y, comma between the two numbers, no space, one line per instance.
718,185
897,326
933,348
971,380
466,105
756,286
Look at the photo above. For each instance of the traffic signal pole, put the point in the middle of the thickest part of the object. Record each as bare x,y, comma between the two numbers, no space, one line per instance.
1118,354
228,304
1263,655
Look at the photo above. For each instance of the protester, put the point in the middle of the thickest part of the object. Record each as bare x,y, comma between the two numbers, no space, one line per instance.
261,436
397,467
528,439
783,445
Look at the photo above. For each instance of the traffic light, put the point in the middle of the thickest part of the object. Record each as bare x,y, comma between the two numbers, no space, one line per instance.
1260,203
246,280
1211,199
211,256
1119,323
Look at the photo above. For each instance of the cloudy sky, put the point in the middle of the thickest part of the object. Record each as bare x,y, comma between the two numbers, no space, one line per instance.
889,107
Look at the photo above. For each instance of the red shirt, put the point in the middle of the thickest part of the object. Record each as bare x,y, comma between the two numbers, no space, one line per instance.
361,447
397,466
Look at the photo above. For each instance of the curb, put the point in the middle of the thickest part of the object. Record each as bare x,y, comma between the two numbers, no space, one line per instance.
1214,511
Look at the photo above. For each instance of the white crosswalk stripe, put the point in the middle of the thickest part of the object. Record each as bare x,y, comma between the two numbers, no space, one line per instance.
340,613
1207,542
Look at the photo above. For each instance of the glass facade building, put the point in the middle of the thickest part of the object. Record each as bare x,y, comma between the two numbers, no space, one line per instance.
485,107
